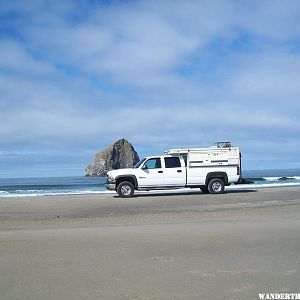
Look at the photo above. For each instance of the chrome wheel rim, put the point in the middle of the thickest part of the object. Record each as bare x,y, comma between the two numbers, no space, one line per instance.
216,187
125,190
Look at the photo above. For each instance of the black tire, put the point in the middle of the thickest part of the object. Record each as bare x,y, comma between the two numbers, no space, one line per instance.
204,189
216,186
125,189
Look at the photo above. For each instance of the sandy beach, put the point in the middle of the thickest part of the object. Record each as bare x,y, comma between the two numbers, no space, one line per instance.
164,246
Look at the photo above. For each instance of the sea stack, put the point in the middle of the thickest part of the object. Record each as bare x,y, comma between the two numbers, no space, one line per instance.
120,154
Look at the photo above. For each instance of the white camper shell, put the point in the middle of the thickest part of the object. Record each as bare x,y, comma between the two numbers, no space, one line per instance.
209,169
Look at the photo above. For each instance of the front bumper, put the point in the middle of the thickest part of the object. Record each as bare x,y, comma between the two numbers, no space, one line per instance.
110,186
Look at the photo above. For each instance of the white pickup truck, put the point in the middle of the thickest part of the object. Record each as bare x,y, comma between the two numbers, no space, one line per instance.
209,169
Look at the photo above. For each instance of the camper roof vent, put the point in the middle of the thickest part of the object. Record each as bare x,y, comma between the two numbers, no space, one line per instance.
223,144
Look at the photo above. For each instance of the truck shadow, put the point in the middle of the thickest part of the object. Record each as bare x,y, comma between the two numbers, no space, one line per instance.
174,194
241,191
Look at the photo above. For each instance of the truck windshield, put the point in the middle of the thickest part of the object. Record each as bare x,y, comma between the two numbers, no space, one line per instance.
139,163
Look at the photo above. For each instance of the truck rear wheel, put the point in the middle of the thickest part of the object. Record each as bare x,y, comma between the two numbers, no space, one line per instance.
125,189
216,186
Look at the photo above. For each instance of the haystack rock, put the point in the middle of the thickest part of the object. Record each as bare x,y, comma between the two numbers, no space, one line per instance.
120,154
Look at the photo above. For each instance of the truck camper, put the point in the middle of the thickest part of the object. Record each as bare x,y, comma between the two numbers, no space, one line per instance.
210,169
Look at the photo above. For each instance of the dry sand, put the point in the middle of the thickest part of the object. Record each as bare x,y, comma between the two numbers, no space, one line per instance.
184,246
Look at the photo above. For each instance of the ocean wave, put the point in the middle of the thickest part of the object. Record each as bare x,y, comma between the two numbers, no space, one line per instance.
283,178
261,186
274,178
52,193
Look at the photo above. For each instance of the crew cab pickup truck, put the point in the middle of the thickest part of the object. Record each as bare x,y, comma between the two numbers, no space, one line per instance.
209,169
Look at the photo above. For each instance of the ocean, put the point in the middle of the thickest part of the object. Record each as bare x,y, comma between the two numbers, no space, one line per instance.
82,185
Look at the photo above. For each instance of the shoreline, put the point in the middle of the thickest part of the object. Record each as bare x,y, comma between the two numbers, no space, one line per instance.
151,192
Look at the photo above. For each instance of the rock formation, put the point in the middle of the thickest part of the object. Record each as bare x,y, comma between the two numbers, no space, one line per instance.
120,154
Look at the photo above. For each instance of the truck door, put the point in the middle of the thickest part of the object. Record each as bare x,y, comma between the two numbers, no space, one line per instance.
151,174
174,171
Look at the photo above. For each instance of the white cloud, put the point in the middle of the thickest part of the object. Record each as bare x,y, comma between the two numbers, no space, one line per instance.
274,21
14,58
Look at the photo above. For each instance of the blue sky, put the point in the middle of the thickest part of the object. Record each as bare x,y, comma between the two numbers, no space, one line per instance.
77,75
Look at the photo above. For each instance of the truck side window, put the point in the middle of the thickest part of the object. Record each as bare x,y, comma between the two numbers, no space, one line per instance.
152,163
172,162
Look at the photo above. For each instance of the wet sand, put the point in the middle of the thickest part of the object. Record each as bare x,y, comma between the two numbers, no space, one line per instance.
164,246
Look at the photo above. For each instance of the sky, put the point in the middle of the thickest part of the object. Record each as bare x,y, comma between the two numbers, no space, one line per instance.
75,76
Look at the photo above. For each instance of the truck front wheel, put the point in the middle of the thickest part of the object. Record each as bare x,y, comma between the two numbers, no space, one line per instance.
125,189
216,186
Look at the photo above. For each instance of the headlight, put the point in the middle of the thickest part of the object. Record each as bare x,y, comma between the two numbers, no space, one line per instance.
110,178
